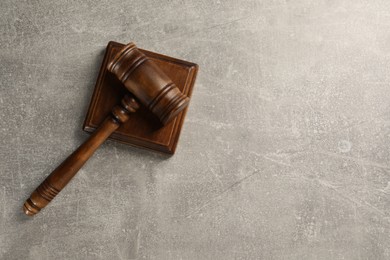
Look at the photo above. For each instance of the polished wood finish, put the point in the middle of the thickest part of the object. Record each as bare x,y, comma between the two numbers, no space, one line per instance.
152,87
144,128
60,177
151,90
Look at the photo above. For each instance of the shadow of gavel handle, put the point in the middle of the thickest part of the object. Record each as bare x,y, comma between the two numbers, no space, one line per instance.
60,177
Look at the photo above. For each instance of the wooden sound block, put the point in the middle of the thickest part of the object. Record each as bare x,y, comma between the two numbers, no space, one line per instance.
143,129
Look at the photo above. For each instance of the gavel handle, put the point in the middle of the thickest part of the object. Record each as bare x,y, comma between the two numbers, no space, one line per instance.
58,179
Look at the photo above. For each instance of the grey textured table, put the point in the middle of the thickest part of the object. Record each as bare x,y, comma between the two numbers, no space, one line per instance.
284,153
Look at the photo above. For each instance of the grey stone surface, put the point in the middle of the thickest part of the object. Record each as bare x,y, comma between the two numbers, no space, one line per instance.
284,153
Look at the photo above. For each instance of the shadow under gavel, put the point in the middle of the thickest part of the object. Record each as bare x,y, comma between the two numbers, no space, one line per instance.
149,85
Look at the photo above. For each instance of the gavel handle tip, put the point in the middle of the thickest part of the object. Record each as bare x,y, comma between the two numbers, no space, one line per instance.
58,179
29,208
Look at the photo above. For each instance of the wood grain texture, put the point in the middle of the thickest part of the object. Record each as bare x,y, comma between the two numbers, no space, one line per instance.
144,129
152,87
149,85
62,175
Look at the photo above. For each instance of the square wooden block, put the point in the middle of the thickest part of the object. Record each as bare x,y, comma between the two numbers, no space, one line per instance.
143,129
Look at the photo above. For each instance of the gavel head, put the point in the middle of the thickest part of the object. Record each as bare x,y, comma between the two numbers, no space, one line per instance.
145,80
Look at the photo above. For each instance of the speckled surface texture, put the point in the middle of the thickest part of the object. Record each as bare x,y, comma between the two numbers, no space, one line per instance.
284,153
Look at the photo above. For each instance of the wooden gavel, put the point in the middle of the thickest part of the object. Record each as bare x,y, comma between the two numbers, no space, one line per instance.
149,85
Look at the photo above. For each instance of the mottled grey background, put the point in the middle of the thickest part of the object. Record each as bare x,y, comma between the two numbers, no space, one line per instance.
284,153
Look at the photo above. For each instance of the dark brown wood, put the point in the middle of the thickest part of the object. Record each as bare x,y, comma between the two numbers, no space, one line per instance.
143,129
60,177
149,84
152,87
